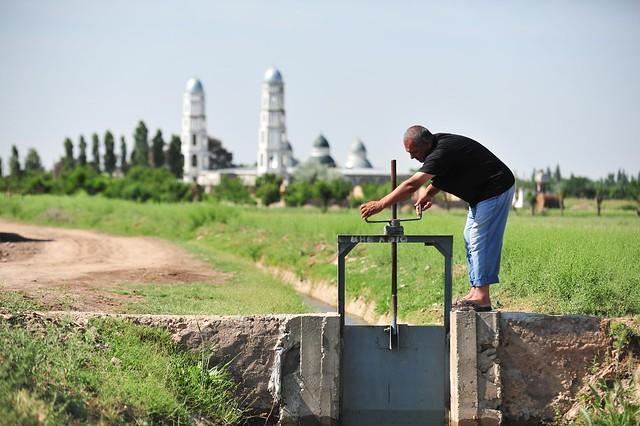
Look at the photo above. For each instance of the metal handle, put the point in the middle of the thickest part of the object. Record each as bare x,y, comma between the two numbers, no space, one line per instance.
398,220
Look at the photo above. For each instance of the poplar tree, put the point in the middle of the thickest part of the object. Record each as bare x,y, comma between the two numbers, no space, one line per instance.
82,154
557,176
123,155
175,159
14,163
0,167
157,150
67,161
109,154
32,162
141,145
95,150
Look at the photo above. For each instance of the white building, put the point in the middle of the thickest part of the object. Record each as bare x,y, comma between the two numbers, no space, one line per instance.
275,153
274,150
194,131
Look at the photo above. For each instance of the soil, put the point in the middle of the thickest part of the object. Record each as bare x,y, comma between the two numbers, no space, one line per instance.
78,270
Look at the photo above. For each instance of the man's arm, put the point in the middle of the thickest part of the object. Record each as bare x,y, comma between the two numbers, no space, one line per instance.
402,192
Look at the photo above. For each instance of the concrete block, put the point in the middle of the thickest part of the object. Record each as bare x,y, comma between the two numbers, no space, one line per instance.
463,368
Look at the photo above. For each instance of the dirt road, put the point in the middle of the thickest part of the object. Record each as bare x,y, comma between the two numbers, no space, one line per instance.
77,269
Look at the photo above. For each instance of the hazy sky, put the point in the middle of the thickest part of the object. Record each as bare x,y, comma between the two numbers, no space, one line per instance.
538,82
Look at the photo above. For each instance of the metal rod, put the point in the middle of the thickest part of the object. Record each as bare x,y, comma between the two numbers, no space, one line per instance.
394,265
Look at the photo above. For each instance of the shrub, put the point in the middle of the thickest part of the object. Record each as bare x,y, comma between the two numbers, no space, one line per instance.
232,189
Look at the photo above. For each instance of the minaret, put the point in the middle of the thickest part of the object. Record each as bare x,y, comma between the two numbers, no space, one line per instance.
272,136
194,131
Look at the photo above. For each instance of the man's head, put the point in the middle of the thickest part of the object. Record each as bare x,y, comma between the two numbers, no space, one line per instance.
418,142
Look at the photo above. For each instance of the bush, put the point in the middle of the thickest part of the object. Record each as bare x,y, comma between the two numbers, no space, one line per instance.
268,188
298,194
144,184
232,189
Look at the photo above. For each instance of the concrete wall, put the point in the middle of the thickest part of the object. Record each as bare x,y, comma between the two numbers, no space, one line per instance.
517,368
287,366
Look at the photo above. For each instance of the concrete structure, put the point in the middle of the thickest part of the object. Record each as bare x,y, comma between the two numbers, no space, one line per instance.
287,366
522,369
194,131
274,150
506,368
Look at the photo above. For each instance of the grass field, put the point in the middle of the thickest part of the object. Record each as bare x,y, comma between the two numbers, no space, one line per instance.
107,372
577,263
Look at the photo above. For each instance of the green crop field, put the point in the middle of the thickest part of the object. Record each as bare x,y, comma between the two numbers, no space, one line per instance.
577,263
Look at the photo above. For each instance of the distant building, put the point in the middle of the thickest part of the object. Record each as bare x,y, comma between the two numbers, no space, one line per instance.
275,152
321,152
194,131
358,157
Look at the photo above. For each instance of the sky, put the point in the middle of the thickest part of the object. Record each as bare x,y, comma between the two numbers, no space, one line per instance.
539,83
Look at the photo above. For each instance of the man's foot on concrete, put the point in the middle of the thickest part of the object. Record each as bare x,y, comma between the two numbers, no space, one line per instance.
470,305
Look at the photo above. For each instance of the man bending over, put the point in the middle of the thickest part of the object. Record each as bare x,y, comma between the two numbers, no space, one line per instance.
462,167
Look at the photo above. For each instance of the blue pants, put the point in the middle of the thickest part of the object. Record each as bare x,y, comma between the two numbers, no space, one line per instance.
483,234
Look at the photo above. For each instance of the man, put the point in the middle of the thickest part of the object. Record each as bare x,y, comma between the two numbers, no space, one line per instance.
462,167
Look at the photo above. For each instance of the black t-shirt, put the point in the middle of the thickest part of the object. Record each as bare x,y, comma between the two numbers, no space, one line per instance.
466,169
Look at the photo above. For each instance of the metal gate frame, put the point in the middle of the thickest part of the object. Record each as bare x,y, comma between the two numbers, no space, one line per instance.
443,243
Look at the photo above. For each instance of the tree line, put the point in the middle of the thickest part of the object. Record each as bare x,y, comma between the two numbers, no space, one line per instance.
150,172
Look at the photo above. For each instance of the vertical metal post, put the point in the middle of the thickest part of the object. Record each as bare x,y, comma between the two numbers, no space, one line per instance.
394,267
447,289
341,289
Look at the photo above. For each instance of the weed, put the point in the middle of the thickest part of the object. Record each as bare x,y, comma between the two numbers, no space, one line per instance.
110,372
609,404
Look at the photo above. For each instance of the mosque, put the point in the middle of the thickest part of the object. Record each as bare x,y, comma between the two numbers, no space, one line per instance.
275,152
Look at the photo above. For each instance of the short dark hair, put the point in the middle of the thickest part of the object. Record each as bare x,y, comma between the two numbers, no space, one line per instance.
418,134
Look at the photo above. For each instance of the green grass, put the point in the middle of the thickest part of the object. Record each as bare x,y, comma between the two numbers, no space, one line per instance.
109,372
578,263
178,223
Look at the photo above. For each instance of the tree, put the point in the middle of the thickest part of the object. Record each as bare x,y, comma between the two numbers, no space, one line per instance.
109,154
157,150
562,193
0,167
123,155
298,194
95,150
232,189
82,155
268,188
140,155
557,176
531,199
322,190
67,161
32,162
600,193
14,163
175,159
219,158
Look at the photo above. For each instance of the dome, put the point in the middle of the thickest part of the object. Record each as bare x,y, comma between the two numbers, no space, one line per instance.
320,142
358,147
194,86
272,76
358,156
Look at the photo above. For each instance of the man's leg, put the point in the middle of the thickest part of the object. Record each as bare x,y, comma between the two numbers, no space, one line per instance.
465,234
485,243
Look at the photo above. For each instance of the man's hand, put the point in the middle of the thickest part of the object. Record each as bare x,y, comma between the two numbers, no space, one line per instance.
370,208
423,202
